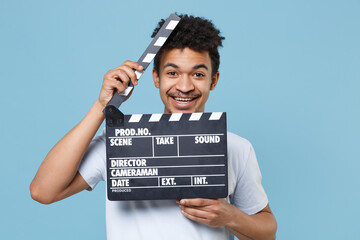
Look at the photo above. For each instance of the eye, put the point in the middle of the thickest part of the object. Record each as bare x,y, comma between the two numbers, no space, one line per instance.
199,75
171,73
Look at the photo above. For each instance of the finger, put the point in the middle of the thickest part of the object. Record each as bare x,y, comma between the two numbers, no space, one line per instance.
116,82
116,86
121,76
130,72
120,87
213,208
195,218
201,213
197,202
132,65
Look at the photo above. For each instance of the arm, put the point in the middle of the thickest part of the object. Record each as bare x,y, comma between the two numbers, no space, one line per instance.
57,176
218,212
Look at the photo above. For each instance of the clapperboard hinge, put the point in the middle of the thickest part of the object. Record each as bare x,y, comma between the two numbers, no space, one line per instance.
114,117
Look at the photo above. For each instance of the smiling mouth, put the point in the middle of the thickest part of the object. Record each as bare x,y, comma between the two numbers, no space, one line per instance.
182,99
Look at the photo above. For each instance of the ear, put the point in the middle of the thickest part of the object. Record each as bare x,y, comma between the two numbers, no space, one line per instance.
156,78
214,80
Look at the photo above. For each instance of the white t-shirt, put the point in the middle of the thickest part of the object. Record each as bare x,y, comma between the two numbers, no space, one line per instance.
162,219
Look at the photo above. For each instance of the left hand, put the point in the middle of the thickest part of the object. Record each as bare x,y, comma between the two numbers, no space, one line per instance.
211,212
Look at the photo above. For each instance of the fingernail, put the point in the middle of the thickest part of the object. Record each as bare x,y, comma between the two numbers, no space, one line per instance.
182,202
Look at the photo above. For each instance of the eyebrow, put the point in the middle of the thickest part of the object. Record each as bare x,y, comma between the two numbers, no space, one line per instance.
176,66
200,66
171,65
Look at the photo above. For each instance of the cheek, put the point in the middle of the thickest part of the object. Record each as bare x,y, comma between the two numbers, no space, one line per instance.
162,88
204,88
165,86
163,91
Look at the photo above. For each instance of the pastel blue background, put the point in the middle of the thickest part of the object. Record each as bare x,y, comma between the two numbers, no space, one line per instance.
289,83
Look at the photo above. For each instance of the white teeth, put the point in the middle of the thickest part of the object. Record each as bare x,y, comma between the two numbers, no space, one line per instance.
183,99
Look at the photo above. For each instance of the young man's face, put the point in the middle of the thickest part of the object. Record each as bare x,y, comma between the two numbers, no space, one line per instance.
185,80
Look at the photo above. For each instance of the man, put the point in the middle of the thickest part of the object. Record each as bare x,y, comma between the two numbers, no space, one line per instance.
185,71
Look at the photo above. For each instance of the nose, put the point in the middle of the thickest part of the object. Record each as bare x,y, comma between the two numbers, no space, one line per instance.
185,84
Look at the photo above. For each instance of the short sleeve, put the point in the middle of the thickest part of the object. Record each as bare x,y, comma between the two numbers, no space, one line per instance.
249,195
93,165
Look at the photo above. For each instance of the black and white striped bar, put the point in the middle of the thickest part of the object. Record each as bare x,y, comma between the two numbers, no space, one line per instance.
167,156
149,54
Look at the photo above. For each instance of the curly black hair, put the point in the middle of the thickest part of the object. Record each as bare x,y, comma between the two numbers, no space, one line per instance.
198,34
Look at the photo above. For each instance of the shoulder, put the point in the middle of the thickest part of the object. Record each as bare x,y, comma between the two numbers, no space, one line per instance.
93,165
239,150
237,144
234,138
245,189
96,151
98,145
101,136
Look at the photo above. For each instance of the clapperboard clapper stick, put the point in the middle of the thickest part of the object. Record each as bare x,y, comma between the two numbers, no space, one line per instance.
111,110
164,156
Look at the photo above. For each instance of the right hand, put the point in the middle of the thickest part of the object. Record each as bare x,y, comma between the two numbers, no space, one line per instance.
117,79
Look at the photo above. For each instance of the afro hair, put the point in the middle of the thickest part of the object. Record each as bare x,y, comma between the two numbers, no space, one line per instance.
196,33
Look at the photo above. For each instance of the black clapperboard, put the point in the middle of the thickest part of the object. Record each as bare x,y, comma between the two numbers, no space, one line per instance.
164,156
167,156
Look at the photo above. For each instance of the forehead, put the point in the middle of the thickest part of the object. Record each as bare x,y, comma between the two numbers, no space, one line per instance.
185,58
